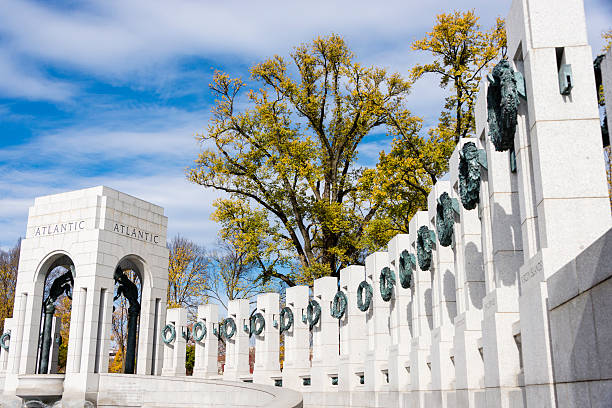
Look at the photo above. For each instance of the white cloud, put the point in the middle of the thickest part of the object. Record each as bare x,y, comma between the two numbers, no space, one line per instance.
83,144
18,81
115,37
65,160
187,206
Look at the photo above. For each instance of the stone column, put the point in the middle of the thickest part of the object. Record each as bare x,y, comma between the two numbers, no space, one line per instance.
174,352
325,341
565,184
79,316
502,255
401,318
207,349
297,340
379,335
237,348
422,321
55,344
267,364
353,341
470,281
4,354
444,309
106,297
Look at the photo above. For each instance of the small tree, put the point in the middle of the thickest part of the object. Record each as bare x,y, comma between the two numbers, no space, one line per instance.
235,276
189,358
188,274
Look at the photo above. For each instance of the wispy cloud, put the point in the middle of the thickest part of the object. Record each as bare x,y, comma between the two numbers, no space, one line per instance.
146,161
17,80
117,38
118,139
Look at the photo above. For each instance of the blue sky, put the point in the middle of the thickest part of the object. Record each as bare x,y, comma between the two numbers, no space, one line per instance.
113,92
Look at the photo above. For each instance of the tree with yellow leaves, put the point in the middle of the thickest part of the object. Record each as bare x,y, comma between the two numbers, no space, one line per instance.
63,311
462,53
293,154
188,270
607,36
251,243
403,178
9,263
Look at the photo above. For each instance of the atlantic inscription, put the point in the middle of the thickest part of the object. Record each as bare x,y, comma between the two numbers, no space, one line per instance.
136,233
53,229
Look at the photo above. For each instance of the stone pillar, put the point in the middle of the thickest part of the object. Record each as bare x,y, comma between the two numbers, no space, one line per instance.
19,342
470,282
353,341
237,348
325,341
4,354
80,314
207,349
502,255
55,344
444,309
267,364
422,321
401,318
564,187
174,352
296,364
379,335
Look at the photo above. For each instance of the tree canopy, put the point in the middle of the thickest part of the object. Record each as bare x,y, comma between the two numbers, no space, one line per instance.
293,151
300,204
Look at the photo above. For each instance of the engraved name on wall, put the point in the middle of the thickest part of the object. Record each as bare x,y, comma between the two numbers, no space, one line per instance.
60,228
136,233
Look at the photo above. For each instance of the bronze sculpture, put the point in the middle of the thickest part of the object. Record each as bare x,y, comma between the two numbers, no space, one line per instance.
129,290
61,284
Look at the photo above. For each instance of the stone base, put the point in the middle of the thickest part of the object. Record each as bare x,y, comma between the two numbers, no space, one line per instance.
471,399
505,397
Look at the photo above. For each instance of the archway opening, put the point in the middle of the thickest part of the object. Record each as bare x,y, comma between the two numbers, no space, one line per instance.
55,316
126,316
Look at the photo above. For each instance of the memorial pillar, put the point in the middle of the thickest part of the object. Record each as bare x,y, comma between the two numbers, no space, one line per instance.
237,347
564,199
353,341
175,350
444,305
296,364
207,349
325,341
267,364
502,247
422,321
4,352
379,335
470,280
401,316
